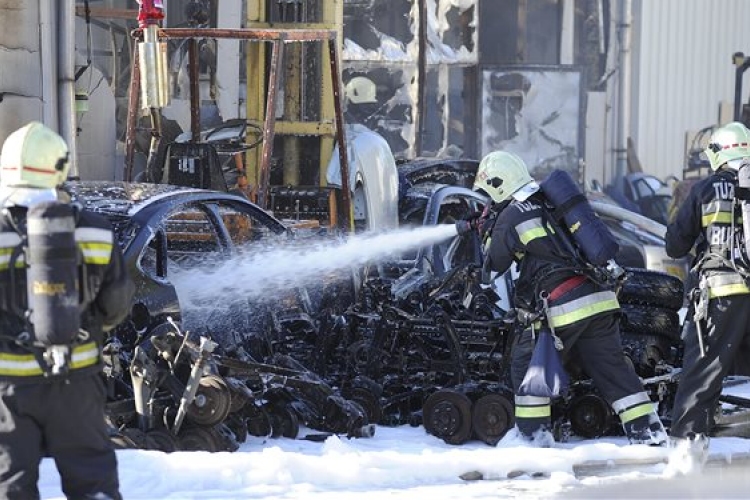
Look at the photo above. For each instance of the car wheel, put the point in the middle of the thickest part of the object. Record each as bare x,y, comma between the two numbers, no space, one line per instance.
647,320
590,416
653,288
447,415
491,416
212,401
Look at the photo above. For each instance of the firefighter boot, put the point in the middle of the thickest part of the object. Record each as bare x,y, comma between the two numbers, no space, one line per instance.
538,437
689,454
646,429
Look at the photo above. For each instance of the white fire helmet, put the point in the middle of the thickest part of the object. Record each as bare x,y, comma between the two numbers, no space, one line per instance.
361,90
502,175
33,163
729,145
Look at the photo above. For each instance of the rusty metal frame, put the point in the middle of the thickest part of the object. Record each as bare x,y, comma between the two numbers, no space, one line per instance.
277,37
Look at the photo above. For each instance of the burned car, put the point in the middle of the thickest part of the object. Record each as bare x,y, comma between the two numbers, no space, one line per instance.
167,365
159,226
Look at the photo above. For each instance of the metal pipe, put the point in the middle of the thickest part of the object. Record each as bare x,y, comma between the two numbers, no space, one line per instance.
346,200
624,86
132,120
274,77
152,168
195,98
742,64
48,53
421,75
567,35
260,34
66,55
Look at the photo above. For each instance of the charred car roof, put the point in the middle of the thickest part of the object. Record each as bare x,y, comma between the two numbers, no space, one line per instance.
130,206
120,198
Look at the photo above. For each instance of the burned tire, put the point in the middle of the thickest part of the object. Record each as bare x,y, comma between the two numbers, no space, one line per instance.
647,320
366,392
128,438
491,417
652,288
284,422
239,397
194,438
212,402
369,402
161,440
590,416
447,415
258,420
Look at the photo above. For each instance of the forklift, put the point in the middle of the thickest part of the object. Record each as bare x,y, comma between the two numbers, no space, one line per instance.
282,149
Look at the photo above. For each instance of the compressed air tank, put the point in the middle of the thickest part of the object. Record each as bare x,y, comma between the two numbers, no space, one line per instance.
52,273
592,236
743,194
154,70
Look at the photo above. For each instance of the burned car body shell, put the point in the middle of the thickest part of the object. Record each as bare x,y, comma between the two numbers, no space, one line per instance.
142,213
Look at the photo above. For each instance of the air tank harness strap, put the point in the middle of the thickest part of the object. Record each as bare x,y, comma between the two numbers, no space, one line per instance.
566,286
544,297
700,299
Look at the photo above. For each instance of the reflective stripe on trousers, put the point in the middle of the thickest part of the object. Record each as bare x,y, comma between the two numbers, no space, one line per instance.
634,406
531,407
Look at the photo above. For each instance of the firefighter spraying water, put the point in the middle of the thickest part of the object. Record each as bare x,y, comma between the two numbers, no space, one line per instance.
566,289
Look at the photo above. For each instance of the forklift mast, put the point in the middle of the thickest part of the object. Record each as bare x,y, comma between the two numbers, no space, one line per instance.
305,111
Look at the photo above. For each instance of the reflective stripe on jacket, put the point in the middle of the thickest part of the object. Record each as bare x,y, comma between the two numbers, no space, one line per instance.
26,365
582,308
533,407
710,220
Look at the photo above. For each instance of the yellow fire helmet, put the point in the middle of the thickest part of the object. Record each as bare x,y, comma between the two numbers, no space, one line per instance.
728,144
502,175
33,156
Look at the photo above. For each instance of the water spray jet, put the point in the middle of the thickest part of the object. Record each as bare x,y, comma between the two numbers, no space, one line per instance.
260,274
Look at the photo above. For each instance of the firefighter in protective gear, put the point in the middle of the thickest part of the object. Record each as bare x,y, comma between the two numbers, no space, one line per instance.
581,312
46,414
718,335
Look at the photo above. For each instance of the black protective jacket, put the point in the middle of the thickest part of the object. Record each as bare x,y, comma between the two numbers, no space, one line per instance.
708,220
526,233
105,294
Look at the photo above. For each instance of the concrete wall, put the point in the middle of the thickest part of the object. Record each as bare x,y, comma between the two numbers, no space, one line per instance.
21,82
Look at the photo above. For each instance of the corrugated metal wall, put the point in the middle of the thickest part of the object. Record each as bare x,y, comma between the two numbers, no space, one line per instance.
682,70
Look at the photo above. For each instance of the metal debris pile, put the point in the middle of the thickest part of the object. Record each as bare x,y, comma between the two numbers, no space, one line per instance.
411,348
